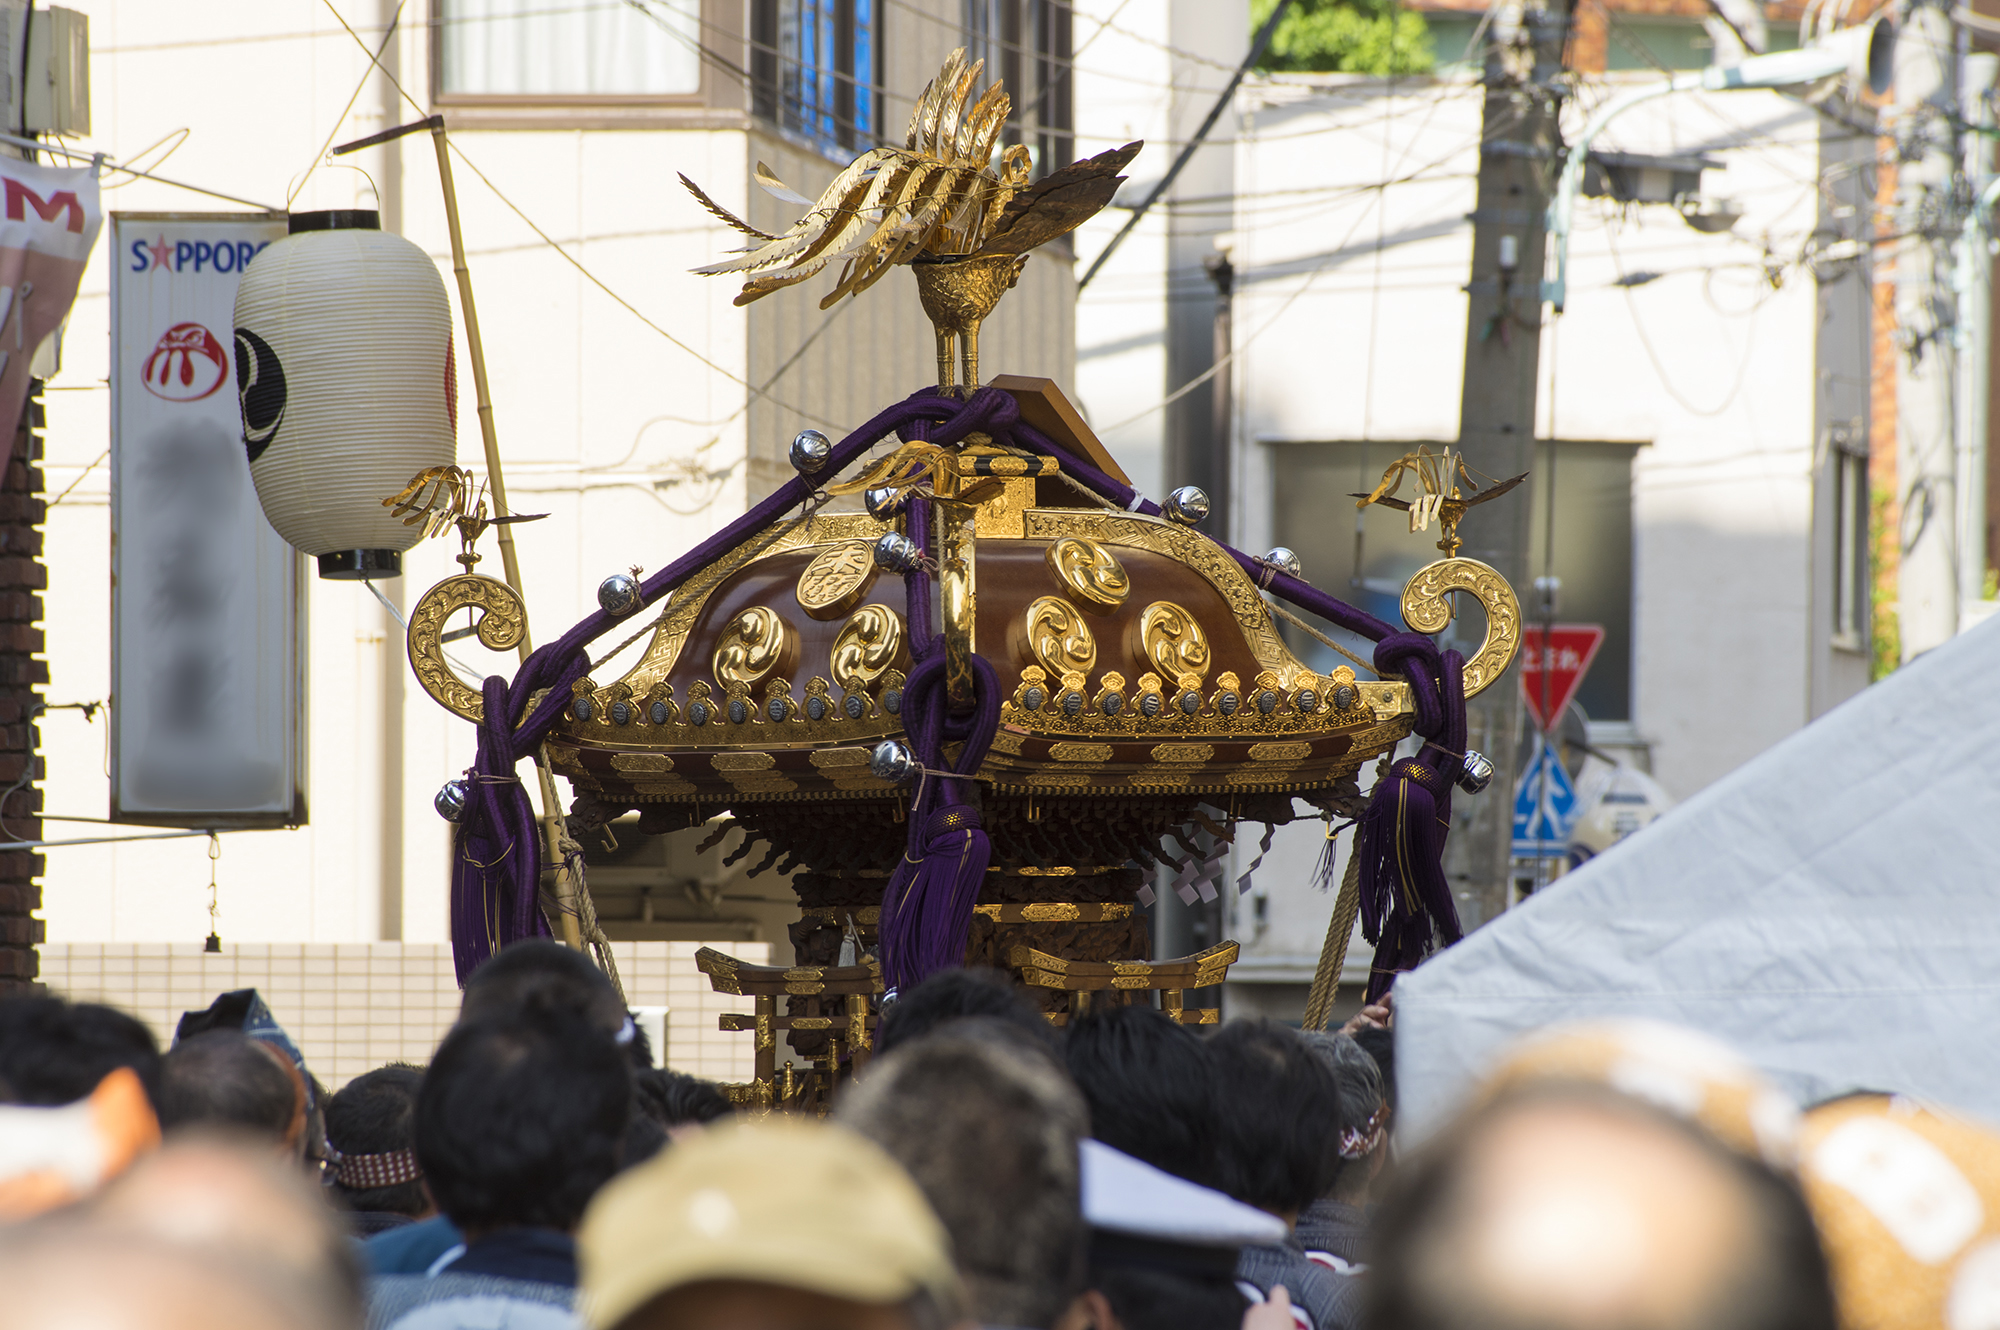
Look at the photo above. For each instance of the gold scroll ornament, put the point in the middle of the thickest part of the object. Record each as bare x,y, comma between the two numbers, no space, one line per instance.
869,644
1091,573
502,622
752,647
836,580
1059,637
1427,609
1172,641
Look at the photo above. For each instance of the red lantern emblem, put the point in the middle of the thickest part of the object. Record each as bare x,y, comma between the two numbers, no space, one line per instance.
187,364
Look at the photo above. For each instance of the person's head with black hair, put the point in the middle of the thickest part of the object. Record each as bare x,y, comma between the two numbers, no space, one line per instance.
955,995
520,1119
224,1078
54,1052
372,1124
987,1127
536,974
1564,1206
1379,1043
1151,1087
1140,1298
1273,1149
1360,1127
677,1100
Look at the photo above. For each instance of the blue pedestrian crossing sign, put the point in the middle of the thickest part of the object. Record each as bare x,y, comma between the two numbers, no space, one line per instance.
1544,806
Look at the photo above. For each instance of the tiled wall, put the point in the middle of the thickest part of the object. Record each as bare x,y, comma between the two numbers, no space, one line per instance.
352,1008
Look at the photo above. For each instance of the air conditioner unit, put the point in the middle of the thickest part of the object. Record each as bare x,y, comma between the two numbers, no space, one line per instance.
46,62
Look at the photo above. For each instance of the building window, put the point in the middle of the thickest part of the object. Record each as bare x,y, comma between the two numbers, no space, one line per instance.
1850,544
816,69
1027,43
1366,556
569,48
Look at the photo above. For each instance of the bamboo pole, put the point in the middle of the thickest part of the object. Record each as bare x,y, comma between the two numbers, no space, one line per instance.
568,911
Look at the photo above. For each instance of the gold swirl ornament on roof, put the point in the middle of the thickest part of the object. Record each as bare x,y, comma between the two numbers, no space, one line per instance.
836,580
869,645
1427,609
753,647
1091,573
1172,641
1059,638
502,621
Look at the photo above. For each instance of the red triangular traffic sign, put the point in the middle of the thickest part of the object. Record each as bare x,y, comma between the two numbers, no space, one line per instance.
1552,668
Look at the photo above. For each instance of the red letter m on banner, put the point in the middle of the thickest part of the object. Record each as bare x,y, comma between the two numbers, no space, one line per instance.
57,203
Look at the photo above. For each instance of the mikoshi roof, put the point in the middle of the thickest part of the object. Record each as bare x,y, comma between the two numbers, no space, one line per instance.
1831,909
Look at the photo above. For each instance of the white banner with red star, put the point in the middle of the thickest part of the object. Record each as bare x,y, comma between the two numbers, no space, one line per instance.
207,634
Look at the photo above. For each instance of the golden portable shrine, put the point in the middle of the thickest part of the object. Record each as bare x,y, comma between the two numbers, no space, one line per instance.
1014,696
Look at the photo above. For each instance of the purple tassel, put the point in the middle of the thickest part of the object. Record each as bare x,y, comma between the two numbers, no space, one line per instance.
1406,905
493,901
927,904
1328,858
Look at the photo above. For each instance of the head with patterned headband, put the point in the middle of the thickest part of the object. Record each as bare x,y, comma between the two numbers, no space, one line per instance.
1334,1228
371,1125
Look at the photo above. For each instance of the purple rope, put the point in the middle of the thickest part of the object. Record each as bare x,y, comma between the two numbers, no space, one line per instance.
927,904
1406,900
497,844
496,870
1406,905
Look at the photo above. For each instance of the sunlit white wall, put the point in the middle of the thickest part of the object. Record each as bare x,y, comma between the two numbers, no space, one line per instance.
594,411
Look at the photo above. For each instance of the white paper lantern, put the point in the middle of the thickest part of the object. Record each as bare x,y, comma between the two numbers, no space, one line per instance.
344,371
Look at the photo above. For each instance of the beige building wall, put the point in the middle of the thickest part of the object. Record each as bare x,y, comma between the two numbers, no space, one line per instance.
621,412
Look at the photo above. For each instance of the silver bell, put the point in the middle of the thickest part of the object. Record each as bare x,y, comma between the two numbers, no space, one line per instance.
1478,773
450,801
883,503
1285,560
619,594
896,553
1187,505
891,761
810,452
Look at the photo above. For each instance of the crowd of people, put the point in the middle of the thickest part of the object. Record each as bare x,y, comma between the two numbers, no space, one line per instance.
988,1169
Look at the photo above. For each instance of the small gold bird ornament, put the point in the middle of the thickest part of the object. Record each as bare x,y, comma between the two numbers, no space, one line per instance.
939,203
439,497
1440,477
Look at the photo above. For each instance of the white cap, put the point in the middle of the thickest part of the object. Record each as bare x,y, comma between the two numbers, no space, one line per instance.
1128,1196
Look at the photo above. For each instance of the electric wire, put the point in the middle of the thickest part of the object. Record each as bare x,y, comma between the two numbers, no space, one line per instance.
571,259
1639,326
375,60
1311,278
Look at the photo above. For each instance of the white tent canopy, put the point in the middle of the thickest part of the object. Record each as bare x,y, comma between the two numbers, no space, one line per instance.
1831,909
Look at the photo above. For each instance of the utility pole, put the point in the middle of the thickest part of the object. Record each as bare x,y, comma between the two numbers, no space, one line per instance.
1927,218
1974,285
1519,157
1222,495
